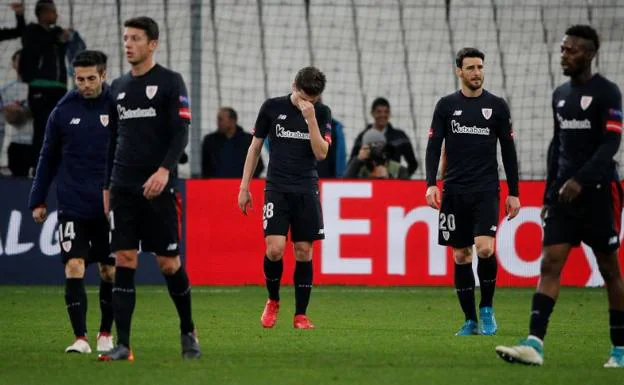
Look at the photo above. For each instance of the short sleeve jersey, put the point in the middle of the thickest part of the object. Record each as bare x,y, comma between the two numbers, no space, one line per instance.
292,164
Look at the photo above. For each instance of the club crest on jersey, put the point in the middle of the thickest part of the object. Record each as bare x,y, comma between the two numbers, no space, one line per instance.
67,245
446,235
150,91
487,113
104,120
586,101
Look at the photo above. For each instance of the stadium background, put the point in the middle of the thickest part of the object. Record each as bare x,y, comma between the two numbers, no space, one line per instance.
238,53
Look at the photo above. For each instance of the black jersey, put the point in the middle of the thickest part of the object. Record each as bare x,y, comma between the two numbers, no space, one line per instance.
292,164
470,128
588,130
149,119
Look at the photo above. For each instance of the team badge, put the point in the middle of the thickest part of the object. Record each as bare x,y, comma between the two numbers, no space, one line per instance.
586,101
67,245
150,91
446,235
487,113
104,120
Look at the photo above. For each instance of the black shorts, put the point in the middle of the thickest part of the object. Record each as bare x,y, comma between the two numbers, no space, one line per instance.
466,216
141,224
594,219
86,239
298,211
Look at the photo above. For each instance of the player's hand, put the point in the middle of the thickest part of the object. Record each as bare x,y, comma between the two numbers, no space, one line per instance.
512,207
18,8
364,153
39,214
543,212
433,197
106,201
307,110
156,183
570,190
244,199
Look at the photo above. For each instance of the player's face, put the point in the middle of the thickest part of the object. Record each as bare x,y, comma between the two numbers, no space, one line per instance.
89,81
381,114
137,45
575,55
471,73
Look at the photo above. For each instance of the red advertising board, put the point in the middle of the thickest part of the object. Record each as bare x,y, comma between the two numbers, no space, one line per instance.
376,233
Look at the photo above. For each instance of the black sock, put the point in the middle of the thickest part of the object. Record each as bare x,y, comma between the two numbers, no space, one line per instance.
272,276
180,292
106,306
541,308
124,299
465,287
76,301
616,326
486,270
303,286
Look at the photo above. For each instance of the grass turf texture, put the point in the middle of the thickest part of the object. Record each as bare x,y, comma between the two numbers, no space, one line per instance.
363,336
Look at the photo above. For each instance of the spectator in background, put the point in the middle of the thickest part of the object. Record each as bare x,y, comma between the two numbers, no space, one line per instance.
224,151
42,66
372,160
334,164
397,143
15,112
14,33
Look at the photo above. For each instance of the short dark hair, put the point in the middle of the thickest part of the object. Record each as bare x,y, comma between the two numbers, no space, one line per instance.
18,52
41,5
231,113
585,32
145,23
310,80
467,52
91,58
380,102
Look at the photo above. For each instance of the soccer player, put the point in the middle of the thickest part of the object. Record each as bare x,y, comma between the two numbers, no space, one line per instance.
470,121
583,197
149,120
298,127
74,151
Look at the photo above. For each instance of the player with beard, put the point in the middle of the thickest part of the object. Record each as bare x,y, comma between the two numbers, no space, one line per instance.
470,122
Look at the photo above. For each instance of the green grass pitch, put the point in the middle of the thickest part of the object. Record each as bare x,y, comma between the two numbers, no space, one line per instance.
363,336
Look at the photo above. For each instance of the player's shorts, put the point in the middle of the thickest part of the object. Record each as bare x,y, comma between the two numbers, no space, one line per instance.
593,219
465,216
301,212
141,224
86,239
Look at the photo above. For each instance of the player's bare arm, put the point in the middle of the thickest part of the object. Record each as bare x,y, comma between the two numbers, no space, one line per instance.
251,162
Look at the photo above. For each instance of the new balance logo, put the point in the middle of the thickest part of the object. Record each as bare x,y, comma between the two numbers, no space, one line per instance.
493,228
561,103
613,240
75,121
321,231
281,117
457,113
172,246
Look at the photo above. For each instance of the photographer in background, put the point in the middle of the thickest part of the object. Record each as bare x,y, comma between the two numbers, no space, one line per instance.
372,161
